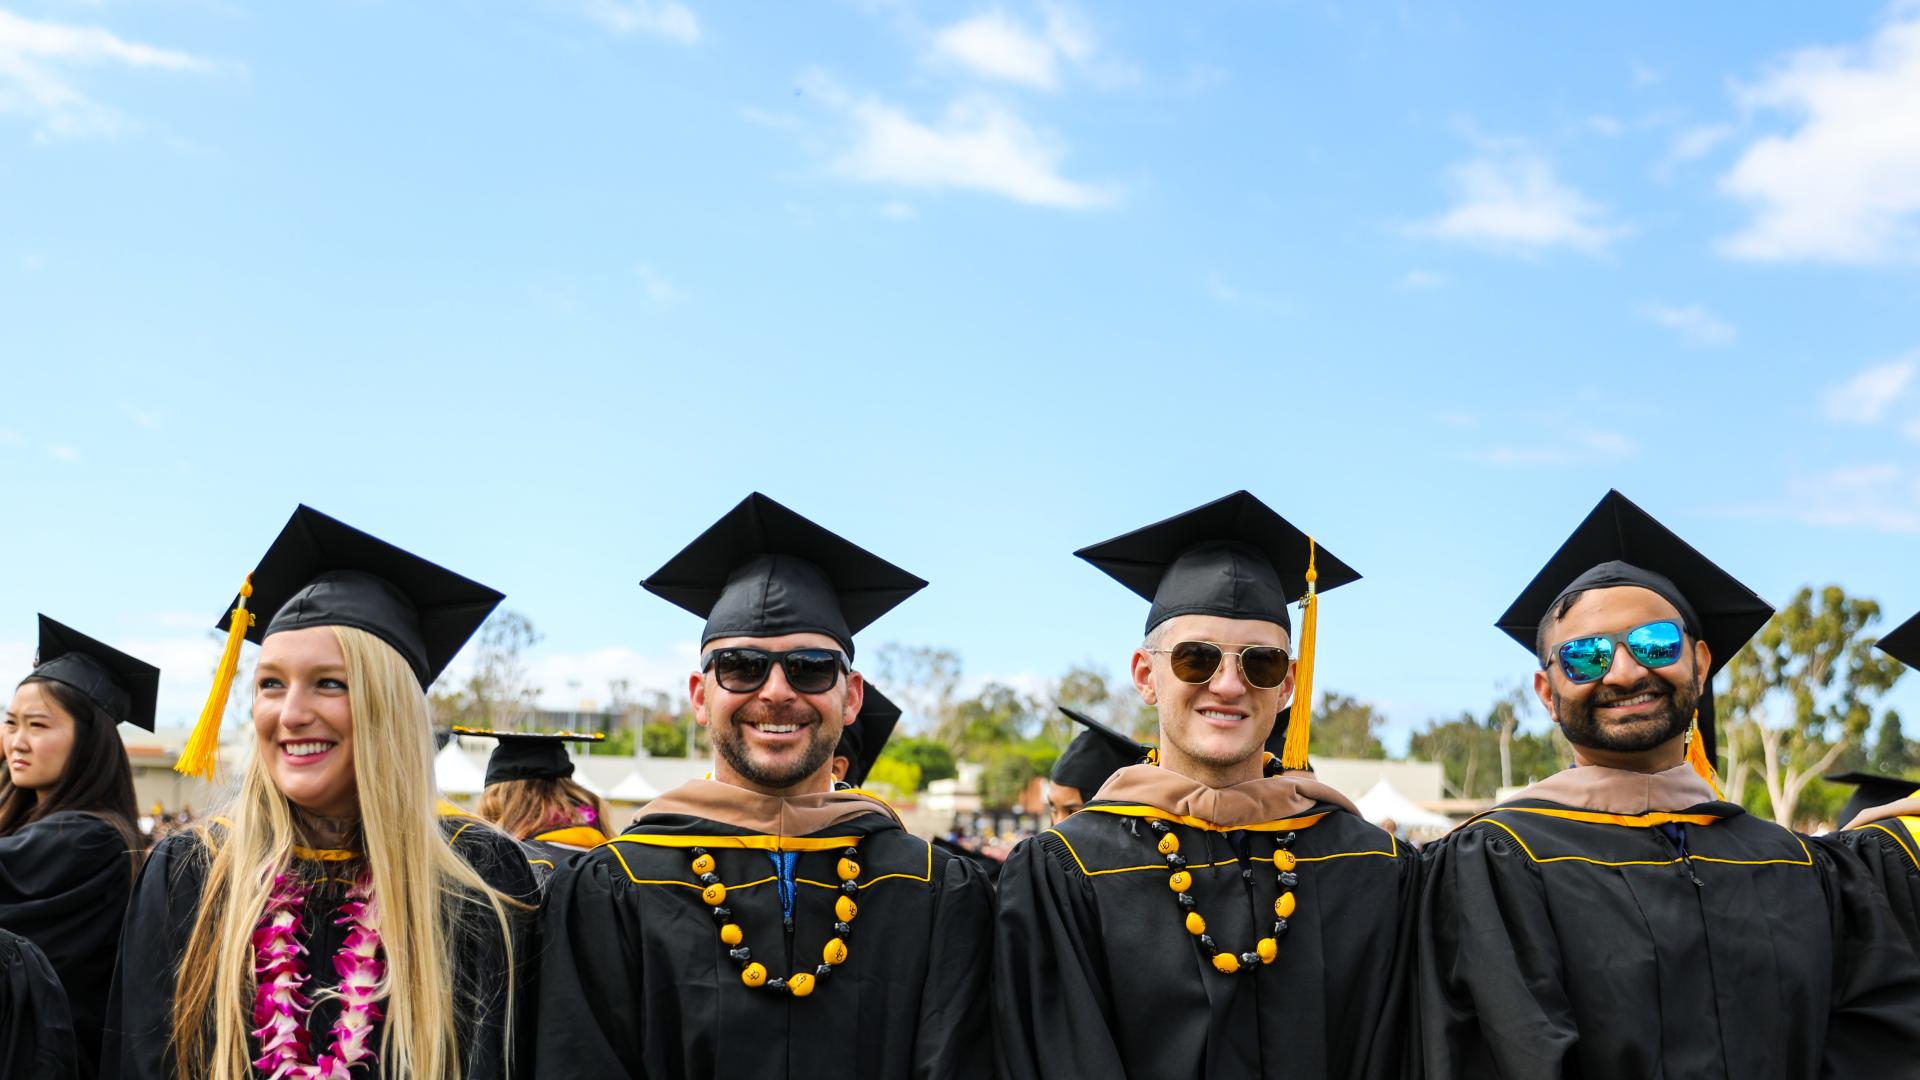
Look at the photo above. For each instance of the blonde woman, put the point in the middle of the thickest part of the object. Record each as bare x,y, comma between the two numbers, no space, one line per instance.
532,796
331,923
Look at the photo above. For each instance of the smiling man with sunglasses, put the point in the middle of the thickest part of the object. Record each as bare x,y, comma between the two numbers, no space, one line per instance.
1209,913
763,923
1620,918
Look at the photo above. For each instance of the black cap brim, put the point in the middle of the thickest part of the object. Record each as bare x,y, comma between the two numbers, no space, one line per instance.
528,755
763,570
124,687
323,572
1149,562
1870,790
1616,530
863,741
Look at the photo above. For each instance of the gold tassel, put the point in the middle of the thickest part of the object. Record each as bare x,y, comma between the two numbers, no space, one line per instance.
201,756
1300,722
1697,757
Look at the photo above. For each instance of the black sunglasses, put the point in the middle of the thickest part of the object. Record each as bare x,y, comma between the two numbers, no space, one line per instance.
744,670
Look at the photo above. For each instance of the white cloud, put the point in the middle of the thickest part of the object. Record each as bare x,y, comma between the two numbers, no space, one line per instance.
146,418
1422,280
657,287
1844,184
976,144
1607,126
36,59
655,18
1882,497
1694,323
1697,142
1511,202
1461,420
995,46
1866,397
1642,75
1573,447
569,680
61,452
9,436
898,211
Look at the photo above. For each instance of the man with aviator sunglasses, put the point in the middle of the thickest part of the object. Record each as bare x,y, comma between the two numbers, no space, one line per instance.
1620,918
754,924
1209,913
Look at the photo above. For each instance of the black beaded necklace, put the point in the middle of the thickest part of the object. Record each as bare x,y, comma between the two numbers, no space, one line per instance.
752,972
1228,963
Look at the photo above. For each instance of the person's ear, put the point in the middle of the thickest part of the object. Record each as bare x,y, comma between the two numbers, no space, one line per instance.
1543,689
697,694
1142,670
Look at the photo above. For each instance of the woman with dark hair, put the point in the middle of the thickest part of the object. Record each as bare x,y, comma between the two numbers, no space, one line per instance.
69,847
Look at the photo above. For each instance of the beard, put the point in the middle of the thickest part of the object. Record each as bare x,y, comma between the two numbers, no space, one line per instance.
1583,729
730,742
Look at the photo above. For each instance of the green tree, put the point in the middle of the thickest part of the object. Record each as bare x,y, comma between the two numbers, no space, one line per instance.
921,678
1893,752
1468,748
997,716
1346,727
930,760
498,691
900,777
1805,690
664,739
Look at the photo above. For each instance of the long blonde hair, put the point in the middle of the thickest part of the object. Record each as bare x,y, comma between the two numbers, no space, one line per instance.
524,809
425,895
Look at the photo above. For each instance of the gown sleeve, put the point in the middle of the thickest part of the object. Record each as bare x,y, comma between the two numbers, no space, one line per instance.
1050,1007
1875,1023
590,977
1489,977
158,921
954,1037
36,1030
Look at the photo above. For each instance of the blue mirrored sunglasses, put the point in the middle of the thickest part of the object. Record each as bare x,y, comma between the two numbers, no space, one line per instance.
1653,645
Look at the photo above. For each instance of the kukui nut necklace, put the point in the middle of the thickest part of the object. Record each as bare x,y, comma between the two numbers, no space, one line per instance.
1227,963
752,972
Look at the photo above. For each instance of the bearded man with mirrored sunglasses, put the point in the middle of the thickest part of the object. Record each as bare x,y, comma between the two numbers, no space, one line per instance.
1620,918
1209,912
763,923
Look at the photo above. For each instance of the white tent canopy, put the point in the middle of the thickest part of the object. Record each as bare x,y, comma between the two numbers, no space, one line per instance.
457,774
1383,801
634,789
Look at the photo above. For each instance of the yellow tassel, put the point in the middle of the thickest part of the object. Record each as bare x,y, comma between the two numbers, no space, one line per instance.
1697,757
1300,722
201,757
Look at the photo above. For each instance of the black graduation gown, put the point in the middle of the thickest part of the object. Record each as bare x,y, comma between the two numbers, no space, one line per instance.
160,919
64,882
1556,946
1891,852
1095,974
36,1030
547,851
635,981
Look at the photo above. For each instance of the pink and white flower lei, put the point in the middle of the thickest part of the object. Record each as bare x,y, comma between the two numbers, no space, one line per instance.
280,1005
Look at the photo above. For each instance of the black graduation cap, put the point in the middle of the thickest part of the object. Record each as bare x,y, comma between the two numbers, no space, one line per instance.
1233,557
764,571
1094,755
1870,790
1621,544
323,572
1902,642
120,685
525,755
862,741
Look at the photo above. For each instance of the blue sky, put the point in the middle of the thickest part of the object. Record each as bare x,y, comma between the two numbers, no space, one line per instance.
541,288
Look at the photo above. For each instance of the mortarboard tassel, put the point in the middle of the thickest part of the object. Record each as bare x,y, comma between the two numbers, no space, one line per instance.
202,752
1299,722
1697,757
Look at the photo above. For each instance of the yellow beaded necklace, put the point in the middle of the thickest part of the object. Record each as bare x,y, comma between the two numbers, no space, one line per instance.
1181,880
752,972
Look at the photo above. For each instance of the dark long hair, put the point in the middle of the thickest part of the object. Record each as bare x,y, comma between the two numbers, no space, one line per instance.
97,780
